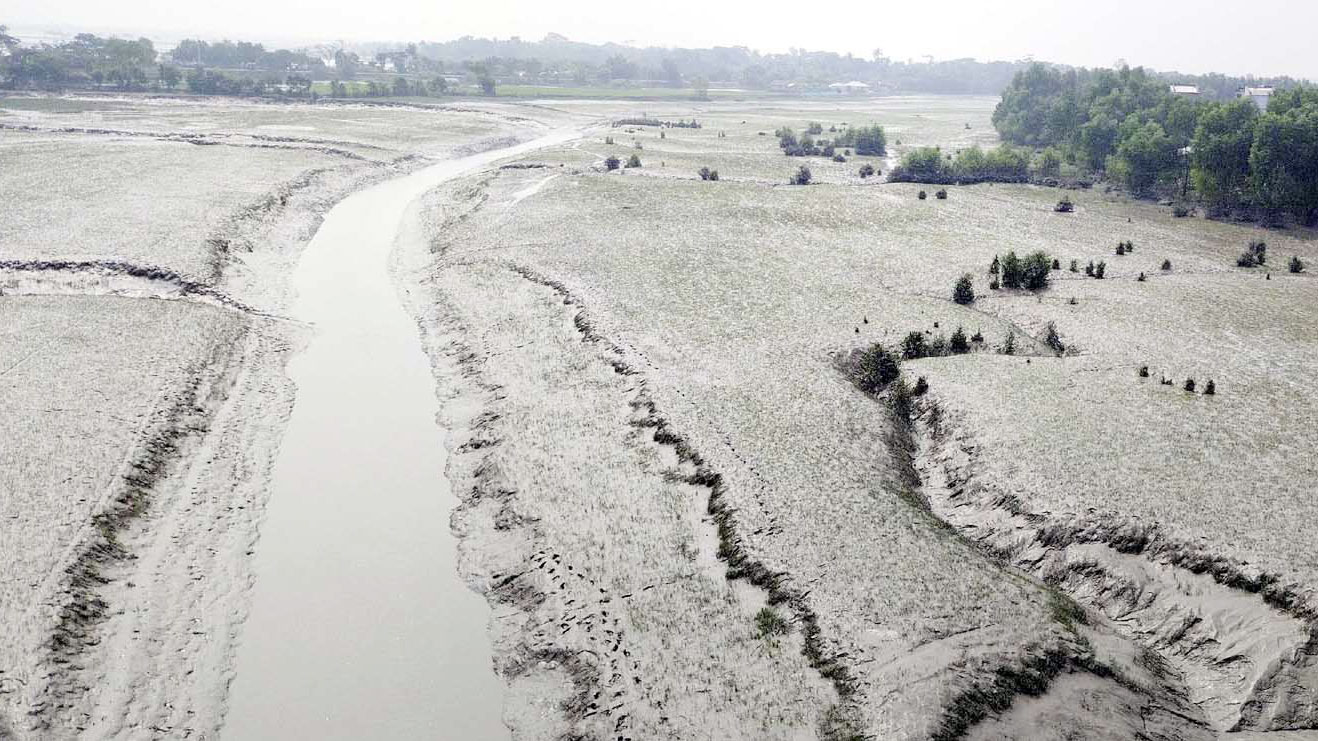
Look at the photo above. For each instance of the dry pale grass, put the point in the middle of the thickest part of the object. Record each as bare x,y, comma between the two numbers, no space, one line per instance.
85,380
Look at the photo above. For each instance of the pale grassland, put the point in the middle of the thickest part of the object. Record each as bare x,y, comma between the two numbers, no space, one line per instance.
376,132
139,200
84,381
731,297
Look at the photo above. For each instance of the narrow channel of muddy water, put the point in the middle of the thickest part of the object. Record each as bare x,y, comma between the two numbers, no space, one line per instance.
359,625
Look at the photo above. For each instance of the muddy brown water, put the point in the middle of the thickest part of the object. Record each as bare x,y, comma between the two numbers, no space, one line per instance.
360,626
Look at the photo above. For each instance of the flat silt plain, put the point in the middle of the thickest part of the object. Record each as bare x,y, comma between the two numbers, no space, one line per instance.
1053,546
688,523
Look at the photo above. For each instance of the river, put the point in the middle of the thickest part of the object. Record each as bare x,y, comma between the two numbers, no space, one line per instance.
360,626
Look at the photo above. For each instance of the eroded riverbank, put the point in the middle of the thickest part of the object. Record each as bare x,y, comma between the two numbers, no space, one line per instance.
359,624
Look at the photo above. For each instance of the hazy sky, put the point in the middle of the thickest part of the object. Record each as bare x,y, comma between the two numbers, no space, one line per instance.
1242,36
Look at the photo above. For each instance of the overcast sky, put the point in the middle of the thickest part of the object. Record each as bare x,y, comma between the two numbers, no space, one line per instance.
1246,36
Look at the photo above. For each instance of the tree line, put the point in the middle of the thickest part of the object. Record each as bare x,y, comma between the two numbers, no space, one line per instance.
1127,125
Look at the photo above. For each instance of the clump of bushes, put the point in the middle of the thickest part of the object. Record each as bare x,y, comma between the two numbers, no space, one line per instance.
769,623
1075,267
873,368
1296,265
612,163
1008,344
633,161
1005,164
839,158
1064,206
941,194
1030,273
958,345
708,174
1053,339
922,195
913,347
1189,385
1256,255
866,171
802,176
1100,269
964,291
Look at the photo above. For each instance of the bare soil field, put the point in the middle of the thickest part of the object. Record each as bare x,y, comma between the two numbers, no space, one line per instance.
1054,548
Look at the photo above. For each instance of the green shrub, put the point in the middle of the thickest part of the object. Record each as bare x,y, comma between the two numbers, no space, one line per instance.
913,347
866,170
802,176
995,266
1008,344
1189,385
1034,271
612,163
1144,371
964,291
921,387
1089,269
1210,388
1296,265
1057,265
1121,248
922,195
1167,265
769,623
958,345
708,174
941,194
1012,270
1075,267
977,337
633,161
874,368
1064,206
1052,339
1100,269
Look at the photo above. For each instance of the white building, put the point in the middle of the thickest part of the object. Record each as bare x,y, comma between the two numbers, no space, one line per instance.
1187,90
1260,96
854,87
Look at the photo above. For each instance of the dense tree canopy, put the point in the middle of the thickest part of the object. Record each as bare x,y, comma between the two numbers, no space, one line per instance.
1128,124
